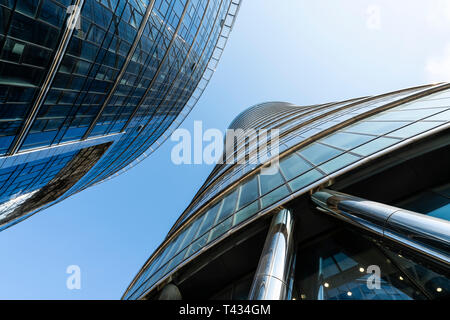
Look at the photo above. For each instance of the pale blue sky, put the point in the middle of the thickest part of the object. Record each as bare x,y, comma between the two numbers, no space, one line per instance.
299,51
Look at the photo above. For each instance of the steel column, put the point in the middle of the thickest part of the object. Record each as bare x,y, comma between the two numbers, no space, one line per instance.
272,276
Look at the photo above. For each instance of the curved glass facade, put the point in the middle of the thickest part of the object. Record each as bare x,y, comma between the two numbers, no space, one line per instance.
127,73
316,144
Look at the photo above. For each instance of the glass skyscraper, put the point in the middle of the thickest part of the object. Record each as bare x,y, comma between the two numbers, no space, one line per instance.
88,88
358,207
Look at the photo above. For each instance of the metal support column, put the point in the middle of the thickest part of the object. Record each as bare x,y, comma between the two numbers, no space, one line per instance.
272,277
170,292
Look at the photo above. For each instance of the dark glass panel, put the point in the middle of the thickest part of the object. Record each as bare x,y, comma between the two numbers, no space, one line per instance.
293,166
248,192
270,181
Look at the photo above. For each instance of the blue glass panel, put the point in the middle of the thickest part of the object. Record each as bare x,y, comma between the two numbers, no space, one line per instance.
293,166
375,127
425,104
344,261
270,181
176,260
220,229
346,140
404,115
443,116
192,231
196,245
319,153
305,180
248,192
209,219
414,129
440,95
38,139
274,196
442,212
229,204
375,145
338,163
329,267
430,203
246,213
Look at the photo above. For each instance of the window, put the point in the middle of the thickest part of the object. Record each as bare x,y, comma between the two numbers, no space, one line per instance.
293,166
229,204
338,163
346,140
270,181
274,196
375,127
375,145
209,219
305,179
248,192
319,153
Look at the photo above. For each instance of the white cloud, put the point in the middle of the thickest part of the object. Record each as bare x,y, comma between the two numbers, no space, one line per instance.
437,68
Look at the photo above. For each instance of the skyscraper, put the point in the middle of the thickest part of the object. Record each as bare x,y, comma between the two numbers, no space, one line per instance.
88,88
358,207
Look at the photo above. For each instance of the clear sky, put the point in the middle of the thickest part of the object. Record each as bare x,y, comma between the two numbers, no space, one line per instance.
299,51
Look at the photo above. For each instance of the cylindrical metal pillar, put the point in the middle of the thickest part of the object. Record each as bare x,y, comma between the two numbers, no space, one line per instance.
271,281
170,292
427,235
